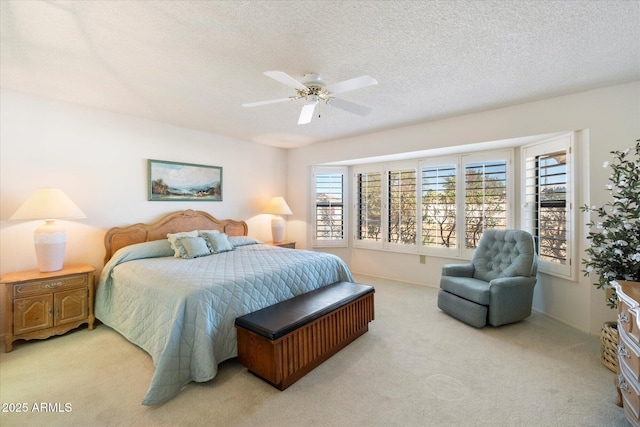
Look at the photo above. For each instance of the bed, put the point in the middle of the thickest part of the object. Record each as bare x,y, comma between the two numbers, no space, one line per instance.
181,310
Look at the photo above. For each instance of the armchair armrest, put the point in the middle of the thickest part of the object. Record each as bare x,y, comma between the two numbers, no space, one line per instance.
458,270
511,299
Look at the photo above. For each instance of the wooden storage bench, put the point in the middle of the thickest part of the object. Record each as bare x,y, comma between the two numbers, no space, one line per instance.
285,341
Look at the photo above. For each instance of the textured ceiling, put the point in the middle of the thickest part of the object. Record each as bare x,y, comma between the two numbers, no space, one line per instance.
193,63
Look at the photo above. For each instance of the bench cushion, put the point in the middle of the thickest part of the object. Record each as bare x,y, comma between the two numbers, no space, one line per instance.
280,319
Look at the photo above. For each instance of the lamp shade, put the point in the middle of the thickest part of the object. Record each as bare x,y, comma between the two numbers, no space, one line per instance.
48,203
50,239
278,206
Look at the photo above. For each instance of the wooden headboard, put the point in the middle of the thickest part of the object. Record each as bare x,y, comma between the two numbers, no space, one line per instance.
189,220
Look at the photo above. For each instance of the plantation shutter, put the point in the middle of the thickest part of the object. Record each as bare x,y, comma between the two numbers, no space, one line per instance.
439,206
402,206
546,195
485,199
329,204
369,207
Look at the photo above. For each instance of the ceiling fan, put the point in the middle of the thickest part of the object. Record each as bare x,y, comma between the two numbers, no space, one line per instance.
313,89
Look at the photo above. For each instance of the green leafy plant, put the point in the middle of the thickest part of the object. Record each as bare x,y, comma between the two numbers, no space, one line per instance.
614,252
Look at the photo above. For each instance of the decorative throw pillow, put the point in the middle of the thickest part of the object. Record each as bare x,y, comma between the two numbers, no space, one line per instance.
207,233
219,243
174,240
209,236
195,247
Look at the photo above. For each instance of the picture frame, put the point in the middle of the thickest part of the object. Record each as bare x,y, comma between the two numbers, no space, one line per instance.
174,181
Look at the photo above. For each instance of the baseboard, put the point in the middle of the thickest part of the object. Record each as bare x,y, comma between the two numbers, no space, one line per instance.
396,280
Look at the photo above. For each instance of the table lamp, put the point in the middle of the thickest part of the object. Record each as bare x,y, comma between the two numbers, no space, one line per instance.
50,239
277,206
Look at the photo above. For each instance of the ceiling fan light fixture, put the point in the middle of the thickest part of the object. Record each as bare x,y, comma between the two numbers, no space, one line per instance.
313,79
313,89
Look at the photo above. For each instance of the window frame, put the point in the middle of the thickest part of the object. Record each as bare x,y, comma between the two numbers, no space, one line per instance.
330,170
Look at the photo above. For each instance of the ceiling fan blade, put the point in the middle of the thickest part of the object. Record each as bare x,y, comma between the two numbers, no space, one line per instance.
352,84
351,107
271,101
307,113
285,79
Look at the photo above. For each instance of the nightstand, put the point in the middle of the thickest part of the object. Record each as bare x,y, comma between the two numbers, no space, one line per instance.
283,244
39,305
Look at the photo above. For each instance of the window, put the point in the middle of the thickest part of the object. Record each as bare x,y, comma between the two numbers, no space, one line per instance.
485,200
386,206
402,206
547,212
439,206
551,177
433,206
329,207
369,216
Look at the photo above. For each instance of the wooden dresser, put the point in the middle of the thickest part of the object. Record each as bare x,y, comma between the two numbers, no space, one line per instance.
629,348
40,305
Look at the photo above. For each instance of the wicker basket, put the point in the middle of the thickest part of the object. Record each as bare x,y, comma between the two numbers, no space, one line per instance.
609,352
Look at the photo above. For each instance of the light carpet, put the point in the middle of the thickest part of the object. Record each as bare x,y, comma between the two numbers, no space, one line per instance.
415,367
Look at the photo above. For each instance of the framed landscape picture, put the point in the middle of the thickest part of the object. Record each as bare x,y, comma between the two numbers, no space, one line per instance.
172,181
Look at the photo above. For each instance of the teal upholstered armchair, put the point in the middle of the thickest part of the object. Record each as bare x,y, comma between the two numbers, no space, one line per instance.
497,286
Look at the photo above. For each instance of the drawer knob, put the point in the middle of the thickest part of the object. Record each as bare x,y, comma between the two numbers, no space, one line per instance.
53,285
622,351
622,384
622,317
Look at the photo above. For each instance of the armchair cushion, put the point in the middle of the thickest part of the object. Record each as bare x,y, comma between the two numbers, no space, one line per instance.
468,288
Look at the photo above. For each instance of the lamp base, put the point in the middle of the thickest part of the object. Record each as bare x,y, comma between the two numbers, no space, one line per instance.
50,240
277,229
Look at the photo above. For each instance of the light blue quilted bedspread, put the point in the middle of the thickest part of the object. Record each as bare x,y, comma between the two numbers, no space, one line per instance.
182,311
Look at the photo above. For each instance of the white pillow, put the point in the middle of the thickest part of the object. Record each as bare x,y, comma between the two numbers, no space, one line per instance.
208,231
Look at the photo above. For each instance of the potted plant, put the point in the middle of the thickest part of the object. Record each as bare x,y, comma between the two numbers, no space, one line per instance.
614,252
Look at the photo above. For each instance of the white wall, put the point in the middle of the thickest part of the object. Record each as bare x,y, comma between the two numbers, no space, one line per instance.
611,118
99,159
